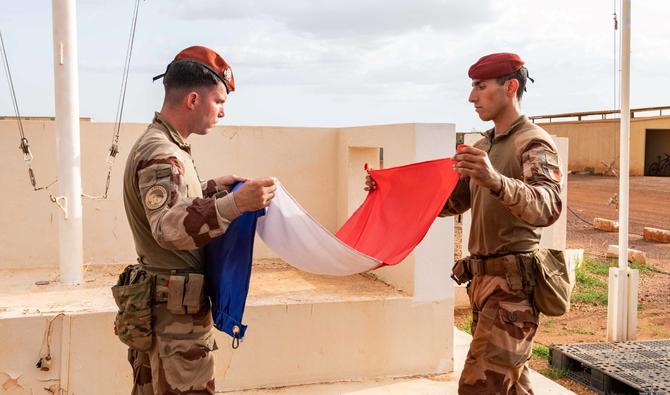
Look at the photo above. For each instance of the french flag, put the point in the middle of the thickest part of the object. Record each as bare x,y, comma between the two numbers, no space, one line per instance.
390,223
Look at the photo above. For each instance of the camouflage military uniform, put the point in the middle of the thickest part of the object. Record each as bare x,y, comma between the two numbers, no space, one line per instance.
172,214
504,321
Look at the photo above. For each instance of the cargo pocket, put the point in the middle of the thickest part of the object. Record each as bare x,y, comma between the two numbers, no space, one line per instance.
188,363
512,336
133,320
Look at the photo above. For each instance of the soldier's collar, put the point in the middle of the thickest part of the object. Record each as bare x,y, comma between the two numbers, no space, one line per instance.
511,129
172,132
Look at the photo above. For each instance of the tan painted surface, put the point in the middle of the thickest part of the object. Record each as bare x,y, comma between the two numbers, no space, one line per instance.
594,142
304,159
313,164
302,329
425,385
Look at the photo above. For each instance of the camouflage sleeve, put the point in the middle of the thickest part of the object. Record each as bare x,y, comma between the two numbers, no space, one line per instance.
536,198
179,222
459,201
209,188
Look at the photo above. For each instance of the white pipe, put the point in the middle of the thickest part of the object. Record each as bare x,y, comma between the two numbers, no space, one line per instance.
67,132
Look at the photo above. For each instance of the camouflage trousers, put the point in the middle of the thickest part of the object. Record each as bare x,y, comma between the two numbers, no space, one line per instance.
180,359
503,327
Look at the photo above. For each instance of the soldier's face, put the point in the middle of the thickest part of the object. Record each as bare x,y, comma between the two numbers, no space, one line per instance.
488,97
209,108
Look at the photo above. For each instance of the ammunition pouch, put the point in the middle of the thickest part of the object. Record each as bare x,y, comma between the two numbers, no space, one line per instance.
184,294
460,272
133,293
551,291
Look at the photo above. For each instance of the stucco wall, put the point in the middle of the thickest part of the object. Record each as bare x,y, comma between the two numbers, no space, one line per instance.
303,159
594,142
313,164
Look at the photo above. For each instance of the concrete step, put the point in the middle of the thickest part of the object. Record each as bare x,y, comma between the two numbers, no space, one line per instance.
425,385
303,329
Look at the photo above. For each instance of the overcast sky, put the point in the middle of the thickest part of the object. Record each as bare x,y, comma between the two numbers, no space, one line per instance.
342,62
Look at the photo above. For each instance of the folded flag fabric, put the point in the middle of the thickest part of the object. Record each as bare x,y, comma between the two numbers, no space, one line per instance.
397,214
302,242
391,222
228,260
394,218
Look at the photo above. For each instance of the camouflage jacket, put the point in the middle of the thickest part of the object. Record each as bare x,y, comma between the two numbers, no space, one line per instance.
171,213
530,198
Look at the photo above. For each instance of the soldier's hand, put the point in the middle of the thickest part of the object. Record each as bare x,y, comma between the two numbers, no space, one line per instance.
255,194
370,184
227,182
474,163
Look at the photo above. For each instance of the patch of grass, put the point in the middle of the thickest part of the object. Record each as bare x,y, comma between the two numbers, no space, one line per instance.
554,374
641,267
589,288
595,267
579,331
466,325
540,351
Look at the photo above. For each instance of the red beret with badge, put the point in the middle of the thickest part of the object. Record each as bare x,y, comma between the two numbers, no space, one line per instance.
495,65
210,60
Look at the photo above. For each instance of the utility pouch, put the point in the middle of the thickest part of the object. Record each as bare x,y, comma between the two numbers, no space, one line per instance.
461,271
193,292
513,273
132,293
175,299
551,295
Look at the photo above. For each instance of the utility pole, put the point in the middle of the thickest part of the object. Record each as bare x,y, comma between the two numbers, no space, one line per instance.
67,138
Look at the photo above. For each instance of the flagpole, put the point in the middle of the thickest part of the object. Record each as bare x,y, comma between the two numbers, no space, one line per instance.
68,140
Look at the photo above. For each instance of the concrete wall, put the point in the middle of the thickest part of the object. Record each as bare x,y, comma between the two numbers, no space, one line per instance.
321,167
29,227
422,273
595,142
289,344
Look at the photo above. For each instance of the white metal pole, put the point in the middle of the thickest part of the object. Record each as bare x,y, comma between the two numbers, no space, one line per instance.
67,132
624,153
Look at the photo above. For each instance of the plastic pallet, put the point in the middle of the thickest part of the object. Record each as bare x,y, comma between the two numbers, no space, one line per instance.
641,367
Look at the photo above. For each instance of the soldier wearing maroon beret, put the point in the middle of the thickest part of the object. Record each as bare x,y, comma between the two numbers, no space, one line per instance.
511,180
164,314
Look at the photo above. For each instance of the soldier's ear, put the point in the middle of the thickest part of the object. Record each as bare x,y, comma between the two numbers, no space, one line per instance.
512,87
191,100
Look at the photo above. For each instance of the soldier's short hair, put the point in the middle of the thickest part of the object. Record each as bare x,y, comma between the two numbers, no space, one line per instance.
520,75
187,74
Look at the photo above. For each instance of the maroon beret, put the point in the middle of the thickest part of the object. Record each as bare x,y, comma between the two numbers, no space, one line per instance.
495,65
209,59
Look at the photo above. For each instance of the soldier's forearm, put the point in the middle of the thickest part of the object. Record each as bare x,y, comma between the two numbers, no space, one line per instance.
538,205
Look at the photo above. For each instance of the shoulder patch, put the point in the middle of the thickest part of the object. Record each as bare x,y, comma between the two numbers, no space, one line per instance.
156,197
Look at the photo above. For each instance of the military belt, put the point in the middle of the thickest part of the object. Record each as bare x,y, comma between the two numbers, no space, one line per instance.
493,266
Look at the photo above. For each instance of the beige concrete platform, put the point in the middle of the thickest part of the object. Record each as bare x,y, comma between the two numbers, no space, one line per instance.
418,385
36,292
303,329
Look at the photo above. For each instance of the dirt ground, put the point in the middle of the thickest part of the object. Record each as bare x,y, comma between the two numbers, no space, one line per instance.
588,197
